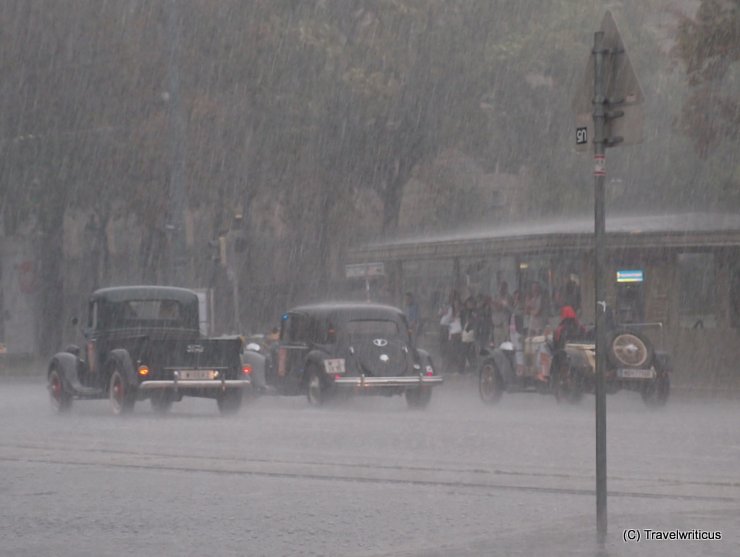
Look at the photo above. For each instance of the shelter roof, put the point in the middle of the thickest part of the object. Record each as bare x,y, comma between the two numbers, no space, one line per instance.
664,231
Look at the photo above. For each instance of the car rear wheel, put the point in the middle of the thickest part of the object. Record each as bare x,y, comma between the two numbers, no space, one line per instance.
418,397
61,400
122,396
230,401
315,387
656,392
490,383
161,401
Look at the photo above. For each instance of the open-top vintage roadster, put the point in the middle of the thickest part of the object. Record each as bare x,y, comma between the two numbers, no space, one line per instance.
144,342
632,364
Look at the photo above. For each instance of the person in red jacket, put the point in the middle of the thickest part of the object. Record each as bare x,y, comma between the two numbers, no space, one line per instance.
569,328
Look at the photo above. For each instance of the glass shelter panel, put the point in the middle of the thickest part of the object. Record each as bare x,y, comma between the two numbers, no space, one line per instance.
698,284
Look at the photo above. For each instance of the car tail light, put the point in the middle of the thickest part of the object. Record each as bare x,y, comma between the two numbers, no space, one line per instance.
143,371
247,369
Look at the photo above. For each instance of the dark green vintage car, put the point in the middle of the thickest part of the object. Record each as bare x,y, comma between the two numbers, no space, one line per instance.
144,342
354,348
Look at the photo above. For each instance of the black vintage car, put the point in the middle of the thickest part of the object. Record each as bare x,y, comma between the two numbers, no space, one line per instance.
326,349
144,342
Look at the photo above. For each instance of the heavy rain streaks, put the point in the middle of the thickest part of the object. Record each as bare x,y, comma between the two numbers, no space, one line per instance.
269,155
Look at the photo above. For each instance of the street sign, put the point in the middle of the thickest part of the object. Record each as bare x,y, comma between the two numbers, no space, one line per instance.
364,270
624,96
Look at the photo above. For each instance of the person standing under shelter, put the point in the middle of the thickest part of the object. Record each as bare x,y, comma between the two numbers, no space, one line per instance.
516,331
413,315
502,306
446,316
534,310
484,334
469,320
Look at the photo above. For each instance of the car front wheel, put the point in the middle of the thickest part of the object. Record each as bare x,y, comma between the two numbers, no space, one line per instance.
122,396
61,400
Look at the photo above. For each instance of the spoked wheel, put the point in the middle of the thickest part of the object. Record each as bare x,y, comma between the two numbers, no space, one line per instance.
418,397
629,349
161,401
61,400
490,384
230,401
315,389
568,385
122,396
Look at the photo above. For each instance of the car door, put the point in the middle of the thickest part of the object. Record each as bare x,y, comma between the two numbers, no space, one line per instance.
92,346
295,335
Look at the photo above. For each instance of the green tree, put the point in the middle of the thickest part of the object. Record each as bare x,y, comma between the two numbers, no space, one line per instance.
708,45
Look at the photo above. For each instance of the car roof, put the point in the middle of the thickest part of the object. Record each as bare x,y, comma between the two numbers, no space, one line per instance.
144,292
346,310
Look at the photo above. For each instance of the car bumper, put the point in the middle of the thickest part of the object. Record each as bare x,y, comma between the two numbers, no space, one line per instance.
363,382
223,384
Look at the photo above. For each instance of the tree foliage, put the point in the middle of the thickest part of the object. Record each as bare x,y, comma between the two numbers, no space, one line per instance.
709,47
308,119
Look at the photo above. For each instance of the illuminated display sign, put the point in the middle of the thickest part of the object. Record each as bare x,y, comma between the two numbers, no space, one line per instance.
634,275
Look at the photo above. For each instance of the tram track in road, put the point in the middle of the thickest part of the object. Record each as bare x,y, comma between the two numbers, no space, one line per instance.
457,478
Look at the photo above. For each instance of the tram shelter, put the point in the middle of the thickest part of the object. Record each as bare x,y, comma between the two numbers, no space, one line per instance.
675,276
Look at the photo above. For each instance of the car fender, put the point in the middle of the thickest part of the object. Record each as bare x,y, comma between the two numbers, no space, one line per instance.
121,357
67,364
315,357
425,358
258,363
662,362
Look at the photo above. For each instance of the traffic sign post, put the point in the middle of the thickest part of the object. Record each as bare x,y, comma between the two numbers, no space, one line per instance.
613,94
599,117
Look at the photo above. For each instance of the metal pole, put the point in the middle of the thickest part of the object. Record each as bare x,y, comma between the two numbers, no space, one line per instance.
599,116
177,194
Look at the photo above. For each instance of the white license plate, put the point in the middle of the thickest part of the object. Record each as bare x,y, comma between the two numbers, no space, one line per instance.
626,373
334,366
196,374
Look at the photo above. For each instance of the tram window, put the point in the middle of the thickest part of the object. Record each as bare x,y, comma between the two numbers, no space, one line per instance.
697,303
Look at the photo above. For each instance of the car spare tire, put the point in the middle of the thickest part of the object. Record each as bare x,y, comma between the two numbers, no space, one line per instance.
629,349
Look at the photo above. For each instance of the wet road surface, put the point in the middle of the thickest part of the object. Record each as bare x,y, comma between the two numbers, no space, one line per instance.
366,477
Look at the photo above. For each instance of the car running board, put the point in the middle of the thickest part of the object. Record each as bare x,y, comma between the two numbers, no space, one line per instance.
79,389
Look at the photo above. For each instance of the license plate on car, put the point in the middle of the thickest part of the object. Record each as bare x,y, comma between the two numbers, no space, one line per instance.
197,374
626,373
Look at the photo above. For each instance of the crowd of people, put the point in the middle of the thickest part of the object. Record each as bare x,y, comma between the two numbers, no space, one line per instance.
481,321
